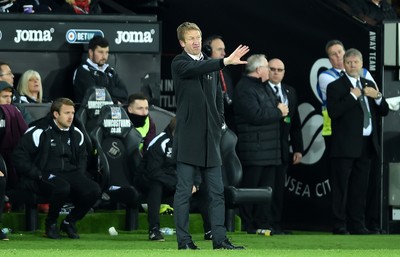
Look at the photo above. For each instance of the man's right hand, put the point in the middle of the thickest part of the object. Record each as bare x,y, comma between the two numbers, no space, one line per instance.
234,57
356,91
284,109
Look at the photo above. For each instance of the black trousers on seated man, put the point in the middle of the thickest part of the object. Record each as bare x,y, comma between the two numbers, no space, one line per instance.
62,186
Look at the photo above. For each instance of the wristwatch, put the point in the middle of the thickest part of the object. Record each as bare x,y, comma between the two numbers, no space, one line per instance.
378,95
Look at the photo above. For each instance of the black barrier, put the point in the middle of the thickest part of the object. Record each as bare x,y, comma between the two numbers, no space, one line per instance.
55,45
62,32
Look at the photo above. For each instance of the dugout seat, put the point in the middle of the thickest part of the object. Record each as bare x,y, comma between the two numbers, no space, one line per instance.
117,144
160,117
87,116
232,177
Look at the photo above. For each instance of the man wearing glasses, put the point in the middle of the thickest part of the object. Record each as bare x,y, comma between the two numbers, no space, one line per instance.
290,127
6,75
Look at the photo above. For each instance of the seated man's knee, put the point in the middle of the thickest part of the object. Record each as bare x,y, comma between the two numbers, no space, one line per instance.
61,193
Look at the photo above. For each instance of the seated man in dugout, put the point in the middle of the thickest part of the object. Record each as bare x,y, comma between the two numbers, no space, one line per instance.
156,179
138,112
51,158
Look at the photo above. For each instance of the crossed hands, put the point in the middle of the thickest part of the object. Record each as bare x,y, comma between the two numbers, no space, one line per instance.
368,91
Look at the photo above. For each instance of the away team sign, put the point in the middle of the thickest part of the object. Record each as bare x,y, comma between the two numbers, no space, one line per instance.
64,36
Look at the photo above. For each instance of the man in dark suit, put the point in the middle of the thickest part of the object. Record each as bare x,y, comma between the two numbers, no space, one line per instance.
355,106
199,123
290,127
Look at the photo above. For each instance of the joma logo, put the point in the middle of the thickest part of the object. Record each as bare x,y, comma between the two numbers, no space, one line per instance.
134,36
33,35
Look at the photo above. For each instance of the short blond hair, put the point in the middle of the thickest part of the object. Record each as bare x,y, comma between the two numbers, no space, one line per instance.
185,27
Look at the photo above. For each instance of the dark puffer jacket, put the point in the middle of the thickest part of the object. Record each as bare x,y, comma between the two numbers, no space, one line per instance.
257,120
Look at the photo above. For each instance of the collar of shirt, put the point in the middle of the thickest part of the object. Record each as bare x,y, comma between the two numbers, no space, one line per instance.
275,85
95,65
353,80
195,57
339,71
61,129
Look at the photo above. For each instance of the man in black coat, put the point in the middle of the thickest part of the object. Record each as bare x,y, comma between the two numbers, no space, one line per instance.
257,117
198,132
51,158
290,128
96,72
214,48
355,106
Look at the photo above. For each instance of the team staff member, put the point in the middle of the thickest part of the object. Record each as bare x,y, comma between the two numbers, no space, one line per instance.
214,47
290,136
95,72
51,158
355,106
198,131
138,112
257,116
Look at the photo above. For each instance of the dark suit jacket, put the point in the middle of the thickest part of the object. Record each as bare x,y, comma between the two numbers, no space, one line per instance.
347,118
293,128
199,110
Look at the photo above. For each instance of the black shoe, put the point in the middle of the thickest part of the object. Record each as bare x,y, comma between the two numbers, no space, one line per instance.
52,232
282,232
340,231
188,246
374,231
226,244
208,235
70,229
3,236
155,235
362,231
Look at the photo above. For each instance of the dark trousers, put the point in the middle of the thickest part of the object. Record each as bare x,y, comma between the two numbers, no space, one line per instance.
2,195
373,217
255,216
64,186
349,189
216,204
200,202
125,194
156,192
277,196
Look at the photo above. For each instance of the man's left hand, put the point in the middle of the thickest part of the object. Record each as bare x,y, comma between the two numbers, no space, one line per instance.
297,157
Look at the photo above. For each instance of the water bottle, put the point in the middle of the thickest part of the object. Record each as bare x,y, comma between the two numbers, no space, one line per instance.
264,232
167,231
6,230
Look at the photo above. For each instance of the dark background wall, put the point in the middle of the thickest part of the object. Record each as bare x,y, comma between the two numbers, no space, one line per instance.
296,32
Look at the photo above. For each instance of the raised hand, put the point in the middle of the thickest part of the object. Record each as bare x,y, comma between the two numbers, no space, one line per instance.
235,56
